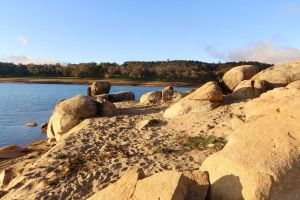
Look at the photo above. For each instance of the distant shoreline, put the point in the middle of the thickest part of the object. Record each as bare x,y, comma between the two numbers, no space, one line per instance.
89,81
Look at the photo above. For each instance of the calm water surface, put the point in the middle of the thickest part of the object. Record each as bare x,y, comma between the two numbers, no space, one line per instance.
20,103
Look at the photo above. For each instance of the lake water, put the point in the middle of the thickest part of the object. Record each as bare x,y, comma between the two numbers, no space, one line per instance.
20,103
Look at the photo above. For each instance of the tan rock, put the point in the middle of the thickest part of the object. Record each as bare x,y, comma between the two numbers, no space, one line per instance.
123,189
6,176
148,123
295,84
151,97
31,124
167,94
249,89
185,106
167,185
106,108
281,74
11,151
99,87
237,74
69,113
121,96
261,158
208,92
173,185
207,97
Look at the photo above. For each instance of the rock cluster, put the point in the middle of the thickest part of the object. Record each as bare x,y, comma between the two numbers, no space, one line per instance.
205,98
70,112
261,158
164,185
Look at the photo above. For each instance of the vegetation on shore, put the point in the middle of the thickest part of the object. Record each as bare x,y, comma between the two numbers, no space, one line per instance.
174,71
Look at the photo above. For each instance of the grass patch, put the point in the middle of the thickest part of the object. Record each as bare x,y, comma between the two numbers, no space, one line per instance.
199,142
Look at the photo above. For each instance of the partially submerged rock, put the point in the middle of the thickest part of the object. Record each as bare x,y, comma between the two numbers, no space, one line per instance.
31,124
12,151
281,74
151,97
167,185
121,96
207,97
237,74
99,87
261,158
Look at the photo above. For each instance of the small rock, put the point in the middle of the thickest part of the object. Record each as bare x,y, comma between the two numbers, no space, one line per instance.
31,124
6,176
148,122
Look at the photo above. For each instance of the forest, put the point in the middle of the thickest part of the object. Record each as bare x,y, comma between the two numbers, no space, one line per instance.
177,70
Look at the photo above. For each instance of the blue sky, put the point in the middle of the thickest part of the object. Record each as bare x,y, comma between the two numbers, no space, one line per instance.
121,30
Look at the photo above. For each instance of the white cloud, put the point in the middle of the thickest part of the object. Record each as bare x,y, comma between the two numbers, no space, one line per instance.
23,40
21,59
264,51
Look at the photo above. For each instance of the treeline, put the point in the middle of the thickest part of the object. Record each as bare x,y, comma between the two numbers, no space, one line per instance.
177,70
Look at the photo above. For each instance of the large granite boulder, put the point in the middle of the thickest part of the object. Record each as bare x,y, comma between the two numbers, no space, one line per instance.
121,96
281,74
151,97
99,87
237,74
295,84
249,89
167,185
261,159
70,112
207,97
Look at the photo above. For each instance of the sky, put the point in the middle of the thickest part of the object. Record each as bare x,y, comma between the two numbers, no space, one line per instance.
74,31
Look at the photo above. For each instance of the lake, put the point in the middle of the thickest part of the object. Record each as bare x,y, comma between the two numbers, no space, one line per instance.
20,103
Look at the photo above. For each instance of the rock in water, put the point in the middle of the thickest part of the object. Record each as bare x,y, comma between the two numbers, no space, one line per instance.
151,97
31,124
207,97
11,151
261,158
237,74
99,87
281,74
165,185
69,113
121,96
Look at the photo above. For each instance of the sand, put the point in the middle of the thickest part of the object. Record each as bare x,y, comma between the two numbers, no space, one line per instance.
100,150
